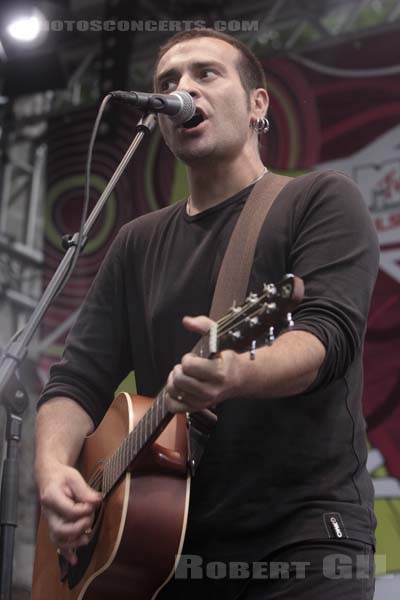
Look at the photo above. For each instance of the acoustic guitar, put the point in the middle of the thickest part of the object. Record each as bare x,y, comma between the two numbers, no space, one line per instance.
138,459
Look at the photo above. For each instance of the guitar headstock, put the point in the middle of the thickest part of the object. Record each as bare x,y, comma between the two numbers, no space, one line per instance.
242,325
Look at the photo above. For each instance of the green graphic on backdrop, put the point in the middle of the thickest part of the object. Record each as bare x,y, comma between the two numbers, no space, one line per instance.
387,511
77,182
284,104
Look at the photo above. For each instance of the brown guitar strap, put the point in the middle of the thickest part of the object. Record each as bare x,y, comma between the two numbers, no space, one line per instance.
232,284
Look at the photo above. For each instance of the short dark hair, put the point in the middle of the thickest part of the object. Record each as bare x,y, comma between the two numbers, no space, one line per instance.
251,72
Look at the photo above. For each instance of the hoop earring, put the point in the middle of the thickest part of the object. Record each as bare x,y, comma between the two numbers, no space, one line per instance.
261,125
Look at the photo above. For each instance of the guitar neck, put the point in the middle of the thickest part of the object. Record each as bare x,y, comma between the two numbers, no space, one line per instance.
235,330
146,431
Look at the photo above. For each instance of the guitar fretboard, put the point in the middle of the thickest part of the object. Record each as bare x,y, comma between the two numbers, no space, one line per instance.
146,431
235,330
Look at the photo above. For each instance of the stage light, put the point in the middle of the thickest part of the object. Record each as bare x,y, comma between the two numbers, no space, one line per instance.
27,29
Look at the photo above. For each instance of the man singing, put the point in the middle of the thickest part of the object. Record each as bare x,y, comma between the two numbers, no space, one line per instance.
283,478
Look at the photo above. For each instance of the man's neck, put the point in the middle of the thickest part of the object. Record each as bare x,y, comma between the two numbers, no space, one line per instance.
210,185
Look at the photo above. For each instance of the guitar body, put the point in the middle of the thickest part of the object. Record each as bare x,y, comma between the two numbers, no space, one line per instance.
139,531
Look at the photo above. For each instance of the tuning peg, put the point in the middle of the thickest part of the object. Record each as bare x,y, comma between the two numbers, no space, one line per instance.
252,321
236,335
253,350
289,320
269,289
234,308
252,297
269,307
271,336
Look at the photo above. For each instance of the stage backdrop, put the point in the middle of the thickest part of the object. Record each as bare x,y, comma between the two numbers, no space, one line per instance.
337,108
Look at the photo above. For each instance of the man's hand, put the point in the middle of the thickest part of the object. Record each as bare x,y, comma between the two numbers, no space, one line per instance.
197,383
69,505
286,368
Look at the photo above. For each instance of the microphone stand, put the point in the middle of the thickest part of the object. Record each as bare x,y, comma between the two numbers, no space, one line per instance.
12,392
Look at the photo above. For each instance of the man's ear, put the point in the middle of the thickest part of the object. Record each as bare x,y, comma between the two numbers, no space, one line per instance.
260,103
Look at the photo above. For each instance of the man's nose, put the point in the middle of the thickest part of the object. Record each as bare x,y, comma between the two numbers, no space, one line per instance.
187,84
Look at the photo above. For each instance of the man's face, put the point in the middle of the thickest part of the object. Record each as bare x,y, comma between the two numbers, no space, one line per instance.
207,69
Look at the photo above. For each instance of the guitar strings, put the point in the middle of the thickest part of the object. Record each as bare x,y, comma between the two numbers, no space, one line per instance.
226,319
224,325
230,320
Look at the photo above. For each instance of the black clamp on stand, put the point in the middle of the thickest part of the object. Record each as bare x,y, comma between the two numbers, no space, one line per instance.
71,241
12,393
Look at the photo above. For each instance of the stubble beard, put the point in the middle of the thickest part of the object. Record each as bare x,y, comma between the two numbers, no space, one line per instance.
190,153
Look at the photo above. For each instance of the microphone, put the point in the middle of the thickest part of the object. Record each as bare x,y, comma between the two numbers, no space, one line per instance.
179,106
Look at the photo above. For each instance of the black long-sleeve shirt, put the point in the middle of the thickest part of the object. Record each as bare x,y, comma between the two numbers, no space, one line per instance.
274,470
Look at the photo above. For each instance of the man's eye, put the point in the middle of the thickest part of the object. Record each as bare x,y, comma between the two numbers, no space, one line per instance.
167,86
207,73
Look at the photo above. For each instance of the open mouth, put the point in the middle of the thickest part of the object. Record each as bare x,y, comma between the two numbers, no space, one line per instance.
194,121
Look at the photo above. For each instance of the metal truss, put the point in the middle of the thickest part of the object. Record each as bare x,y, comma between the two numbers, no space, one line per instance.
21,225
290,26
282,26
22,187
